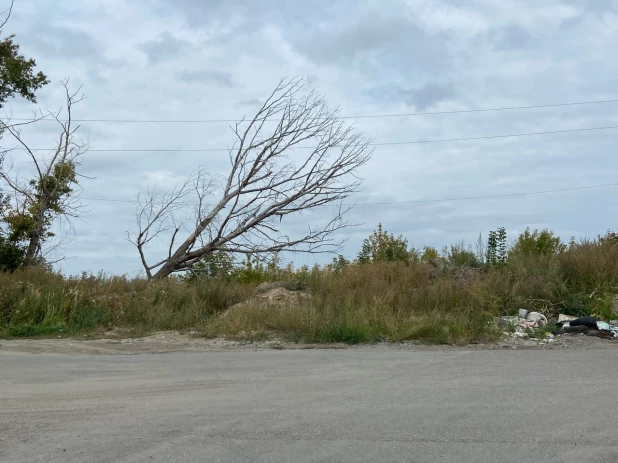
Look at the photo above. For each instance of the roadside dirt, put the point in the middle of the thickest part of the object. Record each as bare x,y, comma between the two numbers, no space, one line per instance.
114,343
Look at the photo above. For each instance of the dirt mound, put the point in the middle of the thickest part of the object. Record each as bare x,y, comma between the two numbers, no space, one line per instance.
289,285
277,297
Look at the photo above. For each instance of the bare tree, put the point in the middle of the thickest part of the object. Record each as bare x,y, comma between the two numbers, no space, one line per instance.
306,160
39,200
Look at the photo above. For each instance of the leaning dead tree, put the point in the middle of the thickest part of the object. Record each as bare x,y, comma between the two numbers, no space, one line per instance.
47,192
294,156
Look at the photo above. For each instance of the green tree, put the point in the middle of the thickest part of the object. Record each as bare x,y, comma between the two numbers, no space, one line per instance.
382,246
496,252
17,78
219,265
429,253
17,74
339,263
537,243
610,238
462,256
258,268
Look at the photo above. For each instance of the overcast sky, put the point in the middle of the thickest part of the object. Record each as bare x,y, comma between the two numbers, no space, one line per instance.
211,59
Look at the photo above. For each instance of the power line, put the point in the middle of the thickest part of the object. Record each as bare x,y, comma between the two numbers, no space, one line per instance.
416,142
417,201
366,116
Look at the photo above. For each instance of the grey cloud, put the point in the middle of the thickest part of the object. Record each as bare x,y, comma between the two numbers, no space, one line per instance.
200,13
164,47
54,41
589,8
421,98
511,37
251,102
428,95
597,7
218,78
395,39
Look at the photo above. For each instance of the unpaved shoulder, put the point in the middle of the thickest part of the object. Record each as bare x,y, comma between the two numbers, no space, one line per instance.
172,341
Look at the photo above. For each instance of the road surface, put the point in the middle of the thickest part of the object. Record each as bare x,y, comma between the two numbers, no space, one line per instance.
355,405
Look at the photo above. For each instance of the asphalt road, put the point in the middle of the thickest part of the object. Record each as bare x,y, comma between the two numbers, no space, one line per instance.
357,405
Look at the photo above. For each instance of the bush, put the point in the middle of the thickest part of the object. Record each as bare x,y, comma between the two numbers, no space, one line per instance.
537,243
384,247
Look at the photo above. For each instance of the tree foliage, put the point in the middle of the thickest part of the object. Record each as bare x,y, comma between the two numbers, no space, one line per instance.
461,256
382,246
429,254
17,73
497,249
537,243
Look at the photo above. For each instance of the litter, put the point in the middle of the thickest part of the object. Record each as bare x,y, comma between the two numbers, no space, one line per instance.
575,329
604,326
590,322
591,326
565,318
505,321
538,317
533,320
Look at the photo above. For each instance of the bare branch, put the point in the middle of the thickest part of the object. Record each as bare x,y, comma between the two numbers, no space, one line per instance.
53,194
270,181
9,11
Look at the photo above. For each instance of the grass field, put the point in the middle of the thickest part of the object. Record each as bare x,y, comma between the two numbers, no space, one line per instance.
442,303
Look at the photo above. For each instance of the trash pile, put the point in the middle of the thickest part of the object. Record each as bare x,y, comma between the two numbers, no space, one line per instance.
590,326
527,321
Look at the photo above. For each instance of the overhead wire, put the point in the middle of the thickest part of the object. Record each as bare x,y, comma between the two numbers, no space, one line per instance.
414,201
362,116
413,142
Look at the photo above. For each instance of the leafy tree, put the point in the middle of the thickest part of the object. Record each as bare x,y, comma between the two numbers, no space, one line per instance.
610,238
537,243
11,255
496,247
429,253
17,78
216,265
257,269
339,263
382,246
462,256
17,74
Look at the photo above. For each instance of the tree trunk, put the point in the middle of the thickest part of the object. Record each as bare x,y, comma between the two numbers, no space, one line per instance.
35,236
166,270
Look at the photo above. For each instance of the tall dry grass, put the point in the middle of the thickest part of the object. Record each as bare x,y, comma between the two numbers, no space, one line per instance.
359,303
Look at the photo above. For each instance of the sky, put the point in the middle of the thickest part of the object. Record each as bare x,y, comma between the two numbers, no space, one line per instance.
218,59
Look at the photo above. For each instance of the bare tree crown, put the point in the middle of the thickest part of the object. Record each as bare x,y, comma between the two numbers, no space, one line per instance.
294,155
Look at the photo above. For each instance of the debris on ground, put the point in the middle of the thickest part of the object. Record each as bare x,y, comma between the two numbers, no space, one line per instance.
590,326
565,318
533,320
527,325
